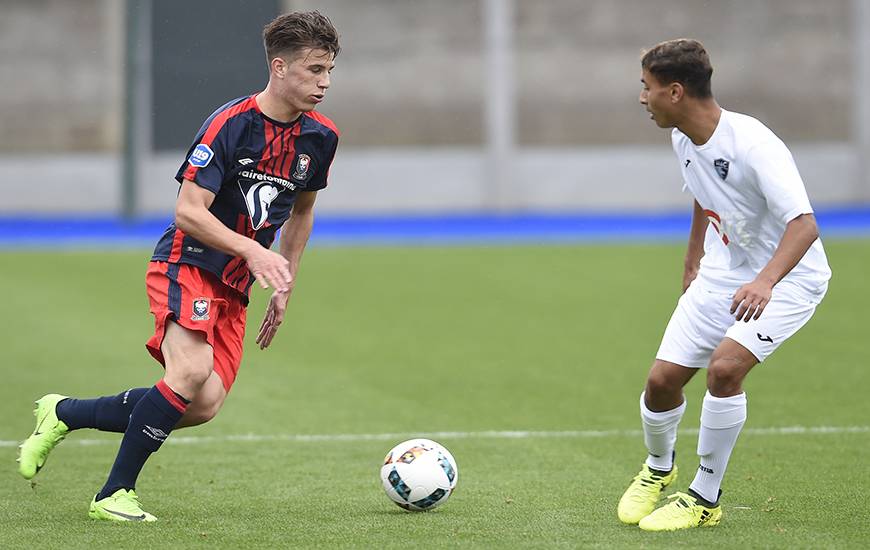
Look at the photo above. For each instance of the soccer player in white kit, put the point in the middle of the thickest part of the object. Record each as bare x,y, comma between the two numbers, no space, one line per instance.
755,270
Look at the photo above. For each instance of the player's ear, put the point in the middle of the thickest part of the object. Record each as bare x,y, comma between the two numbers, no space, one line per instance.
676,92
279,67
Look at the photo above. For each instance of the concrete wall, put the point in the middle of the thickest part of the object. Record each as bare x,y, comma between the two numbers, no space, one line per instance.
412,72
390,181
409,95
61,75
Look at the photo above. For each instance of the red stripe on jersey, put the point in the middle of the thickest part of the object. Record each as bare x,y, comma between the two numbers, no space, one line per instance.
170,396
716,222
268,136
243,227
275,150
236,272
323,119
175,253
283,168
216,124
290,150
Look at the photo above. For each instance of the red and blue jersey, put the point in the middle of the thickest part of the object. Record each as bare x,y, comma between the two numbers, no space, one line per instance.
256,168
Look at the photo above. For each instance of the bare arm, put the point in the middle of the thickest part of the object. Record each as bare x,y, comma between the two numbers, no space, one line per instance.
192,216
799,235
297,230
294,237
695,250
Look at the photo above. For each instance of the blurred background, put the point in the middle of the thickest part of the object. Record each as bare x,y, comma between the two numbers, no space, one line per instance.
494,109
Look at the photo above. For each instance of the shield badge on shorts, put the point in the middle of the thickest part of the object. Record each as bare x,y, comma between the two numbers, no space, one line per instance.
200,310
721,166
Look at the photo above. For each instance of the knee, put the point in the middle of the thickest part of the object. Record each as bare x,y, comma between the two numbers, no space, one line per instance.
199,412
659,384
187,381
199,416
724,378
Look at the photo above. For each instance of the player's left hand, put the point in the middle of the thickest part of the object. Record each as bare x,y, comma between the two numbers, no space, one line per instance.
750,300
273,318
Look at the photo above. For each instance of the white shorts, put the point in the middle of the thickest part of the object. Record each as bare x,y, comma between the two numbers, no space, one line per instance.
703,318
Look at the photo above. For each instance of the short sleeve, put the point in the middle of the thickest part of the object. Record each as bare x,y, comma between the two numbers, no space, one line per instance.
778,179
321,178
208,157
675,144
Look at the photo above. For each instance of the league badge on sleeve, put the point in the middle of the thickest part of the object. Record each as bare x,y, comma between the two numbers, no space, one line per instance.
721,166
201,156
200,310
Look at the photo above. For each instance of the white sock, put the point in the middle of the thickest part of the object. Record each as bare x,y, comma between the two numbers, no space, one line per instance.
660,434
721,421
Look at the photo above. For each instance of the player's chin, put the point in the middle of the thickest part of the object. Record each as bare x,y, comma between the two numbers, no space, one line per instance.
662,123
312,102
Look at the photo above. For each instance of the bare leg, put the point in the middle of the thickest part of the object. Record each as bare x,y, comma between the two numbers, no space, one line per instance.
206,404
664,385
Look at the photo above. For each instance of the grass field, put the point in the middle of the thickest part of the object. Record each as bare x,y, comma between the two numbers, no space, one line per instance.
417,341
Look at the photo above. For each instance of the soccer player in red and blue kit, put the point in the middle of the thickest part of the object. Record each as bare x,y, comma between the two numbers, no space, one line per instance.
255,166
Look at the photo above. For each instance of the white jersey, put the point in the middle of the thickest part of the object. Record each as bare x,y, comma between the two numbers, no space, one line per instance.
746,181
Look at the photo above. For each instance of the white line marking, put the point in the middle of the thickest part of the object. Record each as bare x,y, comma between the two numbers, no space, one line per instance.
572,434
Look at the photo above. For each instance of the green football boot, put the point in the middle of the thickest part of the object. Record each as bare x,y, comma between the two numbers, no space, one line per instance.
48,433
682,512
122,505
641,497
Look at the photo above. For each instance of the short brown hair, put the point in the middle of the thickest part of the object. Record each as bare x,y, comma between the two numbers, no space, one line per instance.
291,32
682,60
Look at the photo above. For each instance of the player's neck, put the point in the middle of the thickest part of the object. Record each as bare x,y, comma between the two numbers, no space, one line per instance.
274,108
700,121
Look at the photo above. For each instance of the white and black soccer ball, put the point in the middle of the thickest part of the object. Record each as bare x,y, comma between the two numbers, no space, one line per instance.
419,474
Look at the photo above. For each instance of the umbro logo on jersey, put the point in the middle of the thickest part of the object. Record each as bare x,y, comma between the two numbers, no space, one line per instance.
721,166
764,338
245,162
688,162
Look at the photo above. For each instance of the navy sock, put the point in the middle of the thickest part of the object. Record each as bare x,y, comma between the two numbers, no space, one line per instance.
152,420
109,414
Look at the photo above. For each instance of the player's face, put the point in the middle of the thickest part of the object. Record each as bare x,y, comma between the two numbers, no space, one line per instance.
306,79
658,100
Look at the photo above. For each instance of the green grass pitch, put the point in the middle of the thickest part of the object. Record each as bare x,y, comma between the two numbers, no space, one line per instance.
416,341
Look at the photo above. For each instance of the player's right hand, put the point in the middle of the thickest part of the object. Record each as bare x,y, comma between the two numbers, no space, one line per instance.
269,268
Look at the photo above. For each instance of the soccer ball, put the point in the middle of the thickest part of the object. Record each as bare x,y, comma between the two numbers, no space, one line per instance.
419,474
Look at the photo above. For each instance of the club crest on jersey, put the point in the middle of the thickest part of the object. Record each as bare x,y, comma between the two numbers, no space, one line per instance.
200,310
201,156
303,162
721,166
